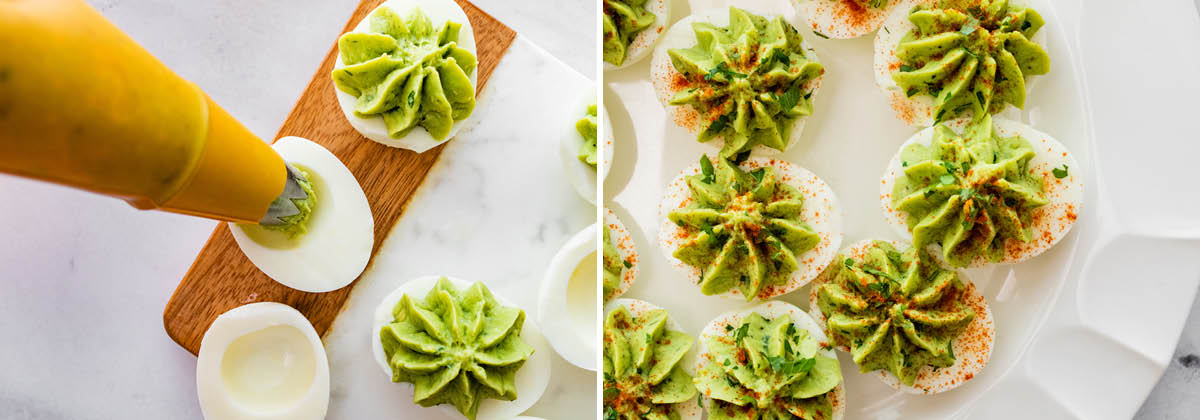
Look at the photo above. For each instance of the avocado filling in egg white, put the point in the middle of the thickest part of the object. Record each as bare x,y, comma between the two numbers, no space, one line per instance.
643,374
623,19
586,127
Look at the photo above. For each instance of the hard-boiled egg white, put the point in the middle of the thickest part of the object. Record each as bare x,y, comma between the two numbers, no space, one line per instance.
531,379
667,81
584,177
417,140
770,310
567,299
262,361
1051,222
972,348
643,42
821,211
341,230
690,409
842,19
626,248
917,110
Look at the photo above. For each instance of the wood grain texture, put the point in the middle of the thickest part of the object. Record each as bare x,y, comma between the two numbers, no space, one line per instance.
222,278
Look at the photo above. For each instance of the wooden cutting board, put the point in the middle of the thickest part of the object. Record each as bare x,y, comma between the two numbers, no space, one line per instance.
222,278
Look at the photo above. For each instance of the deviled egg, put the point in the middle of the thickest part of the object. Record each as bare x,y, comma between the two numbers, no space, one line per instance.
776,355
983,191
920,325
842,19
720,80
584,161
755,230
262,361
501,361
648,359
620,257
629,29
338,234
405,76
567,300
939,61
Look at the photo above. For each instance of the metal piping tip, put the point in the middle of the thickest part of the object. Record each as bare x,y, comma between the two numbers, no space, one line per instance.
283,206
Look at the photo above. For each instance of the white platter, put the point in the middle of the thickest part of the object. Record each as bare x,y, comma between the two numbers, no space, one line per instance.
1083,331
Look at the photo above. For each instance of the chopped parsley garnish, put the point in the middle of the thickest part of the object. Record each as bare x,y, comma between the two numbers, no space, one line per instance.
706,168
627,264
722,68
970,26
782,57
1060,173
758,174
412,97
781,365
820,34
790,98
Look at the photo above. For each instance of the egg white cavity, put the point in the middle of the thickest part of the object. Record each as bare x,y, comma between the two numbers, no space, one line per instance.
973,347
916,111
337,245
418,139
690,409
643,42
531,378
262,361
771,310
625,248
1051,223
681,35
832,17
821,211
583,178
573,340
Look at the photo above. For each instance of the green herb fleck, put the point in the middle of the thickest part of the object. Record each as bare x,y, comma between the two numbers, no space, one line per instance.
1060,173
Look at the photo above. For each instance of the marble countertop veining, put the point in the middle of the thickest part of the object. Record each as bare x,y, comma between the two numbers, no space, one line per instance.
85,277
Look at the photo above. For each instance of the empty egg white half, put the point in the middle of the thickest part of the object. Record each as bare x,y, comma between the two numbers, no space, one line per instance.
567,299
417,139
262,361
690,409
531,378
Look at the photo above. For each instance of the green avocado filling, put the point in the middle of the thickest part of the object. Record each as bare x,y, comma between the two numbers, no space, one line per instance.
613,266
743,229
768,369
623,19
408,73
749,82
970,55
296,225
969,193
586,127
643,378
895,311
456,347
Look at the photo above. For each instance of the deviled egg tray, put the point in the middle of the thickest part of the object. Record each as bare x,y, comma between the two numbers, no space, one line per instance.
1048,347
491,205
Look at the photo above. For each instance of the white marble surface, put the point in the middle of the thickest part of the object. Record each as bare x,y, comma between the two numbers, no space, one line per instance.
85,277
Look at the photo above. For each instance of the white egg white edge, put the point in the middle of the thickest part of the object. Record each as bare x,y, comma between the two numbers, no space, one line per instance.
531,379
929,380
560,328
921,106
607,141
1065,195
247,319
341,229
583,177
690,409
417,139
818,198
681,35
822,17
643,43
772,309
626,248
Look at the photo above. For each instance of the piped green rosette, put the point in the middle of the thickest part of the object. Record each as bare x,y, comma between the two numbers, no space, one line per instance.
749,81
456,347
970,55
894,310
614,266
643,377
295,226
586,127
767,369
623,19
403,70
969,193
743,230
